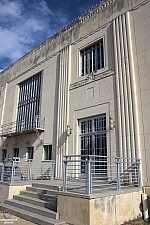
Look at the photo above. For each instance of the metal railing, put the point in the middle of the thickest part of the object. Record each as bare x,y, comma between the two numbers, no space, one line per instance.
26,124
89,174
14,170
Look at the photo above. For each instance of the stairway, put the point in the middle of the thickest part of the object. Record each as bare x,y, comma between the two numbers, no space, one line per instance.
37,204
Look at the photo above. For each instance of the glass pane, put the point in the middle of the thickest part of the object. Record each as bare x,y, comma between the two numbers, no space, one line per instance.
92,58
47,152
16,152
30,153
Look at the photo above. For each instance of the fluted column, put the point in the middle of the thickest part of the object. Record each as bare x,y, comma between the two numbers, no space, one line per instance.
128,128
63,106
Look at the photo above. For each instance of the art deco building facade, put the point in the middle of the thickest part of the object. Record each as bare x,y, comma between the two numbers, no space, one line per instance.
85,90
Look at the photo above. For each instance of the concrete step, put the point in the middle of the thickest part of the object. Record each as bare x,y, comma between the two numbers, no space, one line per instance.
46,186
30,216
32,208
37,202
42,190
46,197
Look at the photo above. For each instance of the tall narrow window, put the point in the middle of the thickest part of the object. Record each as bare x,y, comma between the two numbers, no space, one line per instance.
29,154
92,58
29,103
47,152
16,152
4,154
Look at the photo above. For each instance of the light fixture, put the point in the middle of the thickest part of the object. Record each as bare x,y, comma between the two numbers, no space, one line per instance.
112,123
69,130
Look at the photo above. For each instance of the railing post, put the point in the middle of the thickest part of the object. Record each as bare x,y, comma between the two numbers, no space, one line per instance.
64,175
2,172
88,177
53,170
30,170
12,172
139,172
118,174
1,130
36,122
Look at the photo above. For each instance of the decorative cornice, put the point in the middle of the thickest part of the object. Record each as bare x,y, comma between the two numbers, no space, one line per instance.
91,78
56,53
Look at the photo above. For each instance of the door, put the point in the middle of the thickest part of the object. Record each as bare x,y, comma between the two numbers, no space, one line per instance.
93,142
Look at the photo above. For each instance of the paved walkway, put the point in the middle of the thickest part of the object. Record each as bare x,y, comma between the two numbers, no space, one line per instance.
13,220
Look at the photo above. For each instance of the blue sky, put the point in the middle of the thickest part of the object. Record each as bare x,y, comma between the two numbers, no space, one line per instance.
24,24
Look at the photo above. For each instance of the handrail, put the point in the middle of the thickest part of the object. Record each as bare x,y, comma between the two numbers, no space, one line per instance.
16,169
89,174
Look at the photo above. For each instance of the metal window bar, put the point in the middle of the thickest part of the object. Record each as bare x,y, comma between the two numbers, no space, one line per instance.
100,173
29,97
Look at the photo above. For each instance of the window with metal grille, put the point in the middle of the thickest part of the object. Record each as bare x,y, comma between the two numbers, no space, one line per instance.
29,103
93,142
92,58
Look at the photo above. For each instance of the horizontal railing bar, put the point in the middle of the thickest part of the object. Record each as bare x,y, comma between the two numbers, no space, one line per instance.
98,156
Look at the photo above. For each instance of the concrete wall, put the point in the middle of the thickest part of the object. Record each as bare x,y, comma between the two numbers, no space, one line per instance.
7,191
113,209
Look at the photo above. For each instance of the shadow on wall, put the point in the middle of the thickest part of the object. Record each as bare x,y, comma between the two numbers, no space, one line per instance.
62,139
56,103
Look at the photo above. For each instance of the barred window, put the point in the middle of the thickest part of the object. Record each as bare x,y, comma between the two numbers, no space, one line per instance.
93,141
92,58
29,103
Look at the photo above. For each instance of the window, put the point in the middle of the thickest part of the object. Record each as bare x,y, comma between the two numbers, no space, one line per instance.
47,152
4,154
29,103
92,58
16,152
29,154
93,141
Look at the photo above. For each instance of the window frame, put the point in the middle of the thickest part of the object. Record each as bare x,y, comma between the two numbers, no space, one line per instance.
49,153
14,153
29,154
101,57
4,157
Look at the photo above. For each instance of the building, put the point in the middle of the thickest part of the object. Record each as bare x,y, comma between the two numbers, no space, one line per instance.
85,90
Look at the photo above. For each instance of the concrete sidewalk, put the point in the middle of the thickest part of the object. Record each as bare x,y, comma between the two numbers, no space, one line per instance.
13,220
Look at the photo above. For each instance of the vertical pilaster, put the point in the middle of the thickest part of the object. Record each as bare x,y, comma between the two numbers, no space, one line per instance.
63,108
128,127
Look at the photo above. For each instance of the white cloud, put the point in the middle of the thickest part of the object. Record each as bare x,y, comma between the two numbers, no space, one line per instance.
24,25
43,8
10,8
